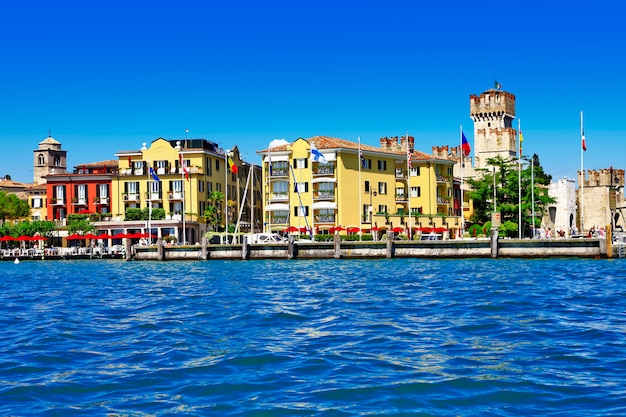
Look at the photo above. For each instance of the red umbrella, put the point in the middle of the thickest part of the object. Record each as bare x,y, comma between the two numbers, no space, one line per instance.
440,229
6,238
303,230
375,229
291,229
75,237
119,236
90,236
397,229
24,238
38,238
104,236
353,229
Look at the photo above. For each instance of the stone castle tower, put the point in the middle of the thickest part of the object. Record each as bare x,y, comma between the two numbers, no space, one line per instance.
493,112
49,159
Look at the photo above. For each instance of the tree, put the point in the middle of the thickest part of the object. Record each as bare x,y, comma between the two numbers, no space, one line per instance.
508,181
12,208
79,223
212,214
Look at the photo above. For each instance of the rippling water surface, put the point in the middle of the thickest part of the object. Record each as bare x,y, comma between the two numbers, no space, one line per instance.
394,337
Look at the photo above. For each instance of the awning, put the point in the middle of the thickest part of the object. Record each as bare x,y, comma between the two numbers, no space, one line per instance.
324,205
277,207
276,158
323,179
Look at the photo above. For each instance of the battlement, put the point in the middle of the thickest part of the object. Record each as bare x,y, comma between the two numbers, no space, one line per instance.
602,178
492,104
397,143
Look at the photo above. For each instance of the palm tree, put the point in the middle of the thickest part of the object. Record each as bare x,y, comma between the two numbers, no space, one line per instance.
212,214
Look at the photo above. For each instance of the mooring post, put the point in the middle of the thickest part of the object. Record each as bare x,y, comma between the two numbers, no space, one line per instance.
494,242
160,250
290,247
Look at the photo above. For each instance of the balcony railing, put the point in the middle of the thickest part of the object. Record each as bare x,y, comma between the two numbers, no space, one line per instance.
279,196
101,200
278,220
279,172
57,201
324,170
79,202
443,200
324,218
175,195
324,195
442,178
131,197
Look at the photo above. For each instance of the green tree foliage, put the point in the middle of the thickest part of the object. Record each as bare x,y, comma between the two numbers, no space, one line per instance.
12,208
213,214
80,224
503,175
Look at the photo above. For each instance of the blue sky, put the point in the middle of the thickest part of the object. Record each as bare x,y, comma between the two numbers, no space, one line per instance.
108,76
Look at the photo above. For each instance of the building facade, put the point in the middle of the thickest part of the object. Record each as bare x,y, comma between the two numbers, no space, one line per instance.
179,177
322,184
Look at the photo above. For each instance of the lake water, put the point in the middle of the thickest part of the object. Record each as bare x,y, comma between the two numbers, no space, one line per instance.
397,337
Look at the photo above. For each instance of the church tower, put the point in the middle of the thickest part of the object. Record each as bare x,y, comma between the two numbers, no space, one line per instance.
493,113
49,159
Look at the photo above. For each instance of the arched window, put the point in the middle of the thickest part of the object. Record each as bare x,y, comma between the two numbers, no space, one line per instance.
57,161
41,160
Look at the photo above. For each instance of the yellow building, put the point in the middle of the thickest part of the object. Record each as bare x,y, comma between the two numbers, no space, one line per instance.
340,190
179,176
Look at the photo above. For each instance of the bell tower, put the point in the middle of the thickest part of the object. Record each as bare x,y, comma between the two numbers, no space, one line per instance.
493,112
49,159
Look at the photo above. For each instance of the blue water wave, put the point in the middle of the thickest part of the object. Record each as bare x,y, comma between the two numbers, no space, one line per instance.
475,337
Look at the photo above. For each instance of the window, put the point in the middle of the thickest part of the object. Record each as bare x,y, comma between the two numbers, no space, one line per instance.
209,188
367,164
415,171
382,208
382,188
302,187
218,186
41,159
201,186
367,186
416,192
217,165
209,166
301,163
301,211
382,165
57,161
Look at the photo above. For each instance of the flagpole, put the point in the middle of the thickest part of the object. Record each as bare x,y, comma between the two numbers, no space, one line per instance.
462,155
408,166
519,180
582,176
226,194
358,158
532,185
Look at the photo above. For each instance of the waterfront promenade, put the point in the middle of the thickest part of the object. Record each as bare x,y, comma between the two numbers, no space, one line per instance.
338,249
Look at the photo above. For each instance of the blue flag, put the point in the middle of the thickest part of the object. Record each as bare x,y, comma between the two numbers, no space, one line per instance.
154,175
317,156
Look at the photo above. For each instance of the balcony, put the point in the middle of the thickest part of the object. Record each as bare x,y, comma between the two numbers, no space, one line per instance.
323,195
130,197
103,201
279,172
278,220
79,201
400,173
59,201
401,197
324,218
154,196
442,179
175,195
443,200
279,196
324,169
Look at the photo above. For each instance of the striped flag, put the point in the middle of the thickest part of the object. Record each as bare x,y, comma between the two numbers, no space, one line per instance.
465,146
584,143
521,142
